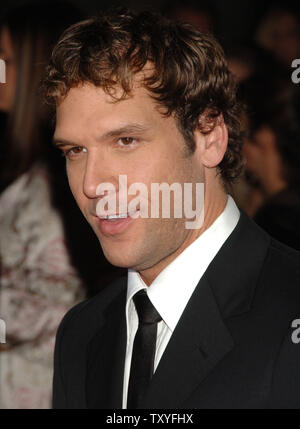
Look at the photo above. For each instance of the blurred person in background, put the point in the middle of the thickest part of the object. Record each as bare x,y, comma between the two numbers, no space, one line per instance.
279,33
247,62
43,268
272,152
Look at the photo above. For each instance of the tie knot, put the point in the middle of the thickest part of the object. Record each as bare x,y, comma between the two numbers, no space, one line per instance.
146,311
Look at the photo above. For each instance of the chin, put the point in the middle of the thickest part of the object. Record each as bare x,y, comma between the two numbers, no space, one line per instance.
116,259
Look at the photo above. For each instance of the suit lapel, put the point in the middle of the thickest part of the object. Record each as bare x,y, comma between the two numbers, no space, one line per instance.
201,338
199,342
106,357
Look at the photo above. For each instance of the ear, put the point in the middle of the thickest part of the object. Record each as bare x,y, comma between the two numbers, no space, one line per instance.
212,146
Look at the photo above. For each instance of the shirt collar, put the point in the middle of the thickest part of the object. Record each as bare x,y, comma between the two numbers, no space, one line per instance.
179,279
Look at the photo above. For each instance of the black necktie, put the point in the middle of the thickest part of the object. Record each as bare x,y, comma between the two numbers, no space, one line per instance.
143,353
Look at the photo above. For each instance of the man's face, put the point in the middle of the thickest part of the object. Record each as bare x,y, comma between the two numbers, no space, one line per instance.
104,139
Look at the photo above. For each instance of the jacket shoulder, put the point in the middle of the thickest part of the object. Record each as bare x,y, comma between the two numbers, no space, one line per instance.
86,315
283,263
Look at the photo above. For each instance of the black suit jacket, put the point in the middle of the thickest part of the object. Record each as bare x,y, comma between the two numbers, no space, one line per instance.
232,347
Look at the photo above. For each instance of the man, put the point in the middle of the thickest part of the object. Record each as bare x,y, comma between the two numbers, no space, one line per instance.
140,97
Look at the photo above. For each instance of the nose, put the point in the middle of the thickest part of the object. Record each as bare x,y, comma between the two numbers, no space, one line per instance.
96,172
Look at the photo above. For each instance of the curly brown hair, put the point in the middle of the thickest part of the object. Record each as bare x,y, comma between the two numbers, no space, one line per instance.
190,78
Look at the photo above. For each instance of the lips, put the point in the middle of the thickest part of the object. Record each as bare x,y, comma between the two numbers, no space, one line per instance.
115,223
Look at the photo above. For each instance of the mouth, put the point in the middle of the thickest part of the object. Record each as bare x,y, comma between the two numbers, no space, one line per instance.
116,216
116,223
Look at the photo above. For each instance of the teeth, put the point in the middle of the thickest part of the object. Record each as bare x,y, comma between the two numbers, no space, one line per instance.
121,216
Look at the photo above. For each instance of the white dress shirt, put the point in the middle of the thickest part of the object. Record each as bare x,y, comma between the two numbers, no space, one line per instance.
178,280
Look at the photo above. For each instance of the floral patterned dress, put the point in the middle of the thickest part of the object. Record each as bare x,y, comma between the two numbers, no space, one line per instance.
38,285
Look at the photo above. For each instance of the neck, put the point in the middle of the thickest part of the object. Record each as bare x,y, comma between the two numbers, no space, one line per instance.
214,204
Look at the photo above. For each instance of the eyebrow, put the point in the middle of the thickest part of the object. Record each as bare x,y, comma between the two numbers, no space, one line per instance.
62,142
126,129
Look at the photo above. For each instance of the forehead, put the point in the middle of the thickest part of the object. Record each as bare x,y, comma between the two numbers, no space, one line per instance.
89,94
91,108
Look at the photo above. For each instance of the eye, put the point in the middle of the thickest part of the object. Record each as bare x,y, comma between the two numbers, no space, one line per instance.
74,152
126,141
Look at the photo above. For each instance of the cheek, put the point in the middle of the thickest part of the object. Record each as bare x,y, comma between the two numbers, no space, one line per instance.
146,172
75,183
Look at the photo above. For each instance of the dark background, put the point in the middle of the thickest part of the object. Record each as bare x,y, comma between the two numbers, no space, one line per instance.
237,19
